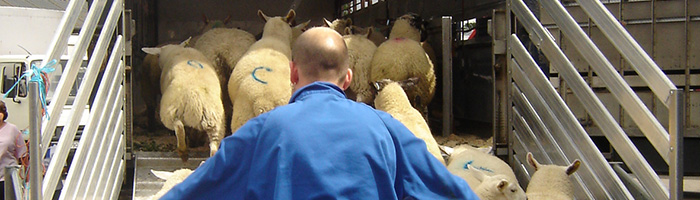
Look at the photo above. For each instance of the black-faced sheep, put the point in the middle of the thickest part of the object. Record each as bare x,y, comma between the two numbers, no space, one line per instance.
260,81
392,99
191,95
402,57
551,181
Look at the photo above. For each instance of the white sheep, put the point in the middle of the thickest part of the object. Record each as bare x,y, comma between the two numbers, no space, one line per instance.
551,181
338,24
496,187
402,57
466,156
374,35
171,179
360,51
298,30
260,81
392,99
191,95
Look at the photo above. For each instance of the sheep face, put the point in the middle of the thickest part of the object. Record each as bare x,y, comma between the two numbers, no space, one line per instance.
409,26
496,186
338,24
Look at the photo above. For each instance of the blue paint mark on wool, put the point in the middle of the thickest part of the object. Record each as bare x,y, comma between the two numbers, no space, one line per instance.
195,64
256,69
466,166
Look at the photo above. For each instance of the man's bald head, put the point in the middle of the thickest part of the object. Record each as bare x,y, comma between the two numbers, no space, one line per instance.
321,55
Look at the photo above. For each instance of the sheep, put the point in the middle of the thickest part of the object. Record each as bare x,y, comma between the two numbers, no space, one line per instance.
497,186
360,51
392,99
402,57
191,95
298,30
261,79
374,35
338,24
171,179
466,156
551,181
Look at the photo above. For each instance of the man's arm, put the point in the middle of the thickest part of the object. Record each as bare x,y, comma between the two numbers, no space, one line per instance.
225,173
419,173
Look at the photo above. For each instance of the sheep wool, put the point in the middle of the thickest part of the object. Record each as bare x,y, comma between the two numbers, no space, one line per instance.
338,24
551,181
298,30
400,59
496,187
466,157
374,34
392,99
191,95
403,28
224,47
360,51
171,179
260,81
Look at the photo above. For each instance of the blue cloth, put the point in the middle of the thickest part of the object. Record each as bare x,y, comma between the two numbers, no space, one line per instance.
322,146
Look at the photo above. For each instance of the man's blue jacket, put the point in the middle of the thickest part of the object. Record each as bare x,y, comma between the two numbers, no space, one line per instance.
322,146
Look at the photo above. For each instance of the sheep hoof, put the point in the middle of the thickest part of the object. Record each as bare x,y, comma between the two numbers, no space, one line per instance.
184,155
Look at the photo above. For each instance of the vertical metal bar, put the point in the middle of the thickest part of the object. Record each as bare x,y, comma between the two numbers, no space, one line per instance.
508,85
35,135
687,63
10,182
446,76
676,129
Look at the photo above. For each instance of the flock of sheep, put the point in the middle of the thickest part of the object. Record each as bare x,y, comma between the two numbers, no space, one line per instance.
217,81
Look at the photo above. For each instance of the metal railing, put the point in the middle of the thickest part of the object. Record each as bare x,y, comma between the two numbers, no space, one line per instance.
102,139
544,124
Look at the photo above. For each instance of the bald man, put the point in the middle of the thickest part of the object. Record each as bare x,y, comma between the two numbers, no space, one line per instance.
322,145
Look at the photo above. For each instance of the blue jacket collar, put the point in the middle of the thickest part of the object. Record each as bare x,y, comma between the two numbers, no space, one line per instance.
317,87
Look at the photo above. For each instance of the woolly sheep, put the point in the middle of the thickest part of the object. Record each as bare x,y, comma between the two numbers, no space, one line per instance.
260,81
298,30
466,156
400,58
360,51
551,181
496,187
338,24
392,99
171,179
374,35
191,95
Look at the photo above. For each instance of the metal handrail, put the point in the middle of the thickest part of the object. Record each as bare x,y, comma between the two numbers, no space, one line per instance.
13,187
659,83
68,77
624,94
594,106
669,148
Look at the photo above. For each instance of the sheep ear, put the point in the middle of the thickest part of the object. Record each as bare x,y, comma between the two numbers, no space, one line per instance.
162,174
290,16
227,20
348,31
369,32
186,42
478,174
205,18
379,85
151,50
303,26
348,22
327,23
573,167
502,184
532,161
263,16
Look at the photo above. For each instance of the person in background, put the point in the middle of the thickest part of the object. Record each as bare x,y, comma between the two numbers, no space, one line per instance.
13,149
322,145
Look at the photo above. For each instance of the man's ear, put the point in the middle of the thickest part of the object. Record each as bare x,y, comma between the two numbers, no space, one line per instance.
348,79
294,75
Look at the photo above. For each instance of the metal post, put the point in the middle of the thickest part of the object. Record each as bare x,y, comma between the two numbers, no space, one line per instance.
676,128
34,140
446,76
9,183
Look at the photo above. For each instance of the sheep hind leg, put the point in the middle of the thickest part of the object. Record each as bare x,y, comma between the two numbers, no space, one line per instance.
182,149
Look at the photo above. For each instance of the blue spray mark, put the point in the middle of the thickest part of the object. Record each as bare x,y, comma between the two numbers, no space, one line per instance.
193,62
256,69
466,166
